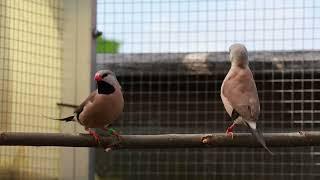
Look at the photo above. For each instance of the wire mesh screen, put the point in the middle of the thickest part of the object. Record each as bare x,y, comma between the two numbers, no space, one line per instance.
170,57
30,83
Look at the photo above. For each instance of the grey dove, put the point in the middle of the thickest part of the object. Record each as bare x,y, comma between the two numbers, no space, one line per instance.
239,93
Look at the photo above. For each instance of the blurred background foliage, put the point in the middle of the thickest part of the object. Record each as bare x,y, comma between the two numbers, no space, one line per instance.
107,46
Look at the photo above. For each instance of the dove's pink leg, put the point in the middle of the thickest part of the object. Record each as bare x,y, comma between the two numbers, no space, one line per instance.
229,130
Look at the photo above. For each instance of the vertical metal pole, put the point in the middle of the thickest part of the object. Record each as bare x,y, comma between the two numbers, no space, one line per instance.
92,152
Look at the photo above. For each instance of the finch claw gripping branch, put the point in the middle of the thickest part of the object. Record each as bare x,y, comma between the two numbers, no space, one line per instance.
113,132
205,139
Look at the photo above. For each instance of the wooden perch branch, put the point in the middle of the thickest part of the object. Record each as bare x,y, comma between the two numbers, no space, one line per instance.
294,139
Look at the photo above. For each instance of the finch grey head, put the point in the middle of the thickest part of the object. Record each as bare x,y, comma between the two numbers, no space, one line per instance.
238,54
106,82
100,75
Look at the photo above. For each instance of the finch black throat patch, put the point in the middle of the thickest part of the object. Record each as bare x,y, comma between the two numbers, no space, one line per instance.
105,88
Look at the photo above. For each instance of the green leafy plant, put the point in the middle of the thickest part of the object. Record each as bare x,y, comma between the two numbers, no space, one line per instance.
107,46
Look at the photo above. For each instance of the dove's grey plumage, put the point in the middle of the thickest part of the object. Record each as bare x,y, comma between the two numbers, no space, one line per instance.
239,93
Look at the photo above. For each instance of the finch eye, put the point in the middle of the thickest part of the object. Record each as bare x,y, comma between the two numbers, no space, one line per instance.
104,75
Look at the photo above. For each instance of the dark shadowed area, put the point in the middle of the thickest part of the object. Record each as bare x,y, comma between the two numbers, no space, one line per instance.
173,93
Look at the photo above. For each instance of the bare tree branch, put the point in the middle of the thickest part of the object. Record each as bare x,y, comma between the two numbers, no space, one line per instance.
293,139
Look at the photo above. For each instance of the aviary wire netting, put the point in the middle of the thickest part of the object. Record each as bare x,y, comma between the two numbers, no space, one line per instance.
171,58
30,83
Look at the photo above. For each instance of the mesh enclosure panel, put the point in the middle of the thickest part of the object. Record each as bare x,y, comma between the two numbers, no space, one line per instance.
170,57
30,83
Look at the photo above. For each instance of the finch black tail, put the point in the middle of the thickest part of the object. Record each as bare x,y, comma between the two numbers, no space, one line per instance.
259,138
66,119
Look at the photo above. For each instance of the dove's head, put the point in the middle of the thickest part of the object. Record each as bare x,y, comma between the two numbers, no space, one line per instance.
238,55
107,82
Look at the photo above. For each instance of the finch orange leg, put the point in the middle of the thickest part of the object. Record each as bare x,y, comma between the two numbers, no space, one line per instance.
94,134
229,130
114,133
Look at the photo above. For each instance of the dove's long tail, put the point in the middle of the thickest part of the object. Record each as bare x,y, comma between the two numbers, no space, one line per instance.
66,119
259,137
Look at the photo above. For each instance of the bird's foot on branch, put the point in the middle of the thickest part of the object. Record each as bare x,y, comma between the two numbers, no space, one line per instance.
230,134
95,136
229,131
113,132
205,139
